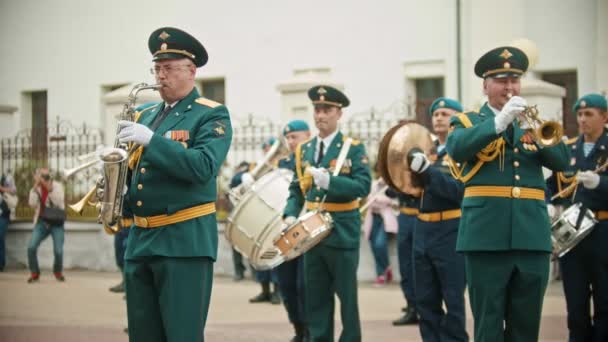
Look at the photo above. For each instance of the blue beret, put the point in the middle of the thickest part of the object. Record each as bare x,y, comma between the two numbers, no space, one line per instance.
444,102
591,101
295,126
269,142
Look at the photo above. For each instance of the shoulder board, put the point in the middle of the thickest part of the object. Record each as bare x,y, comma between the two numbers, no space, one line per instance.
354,142
464,119
140,111
571,141
206,102
304,142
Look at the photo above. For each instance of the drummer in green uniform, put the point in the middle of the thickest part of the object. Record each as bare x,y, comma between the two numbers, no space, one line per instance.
330,267
172,244
504,230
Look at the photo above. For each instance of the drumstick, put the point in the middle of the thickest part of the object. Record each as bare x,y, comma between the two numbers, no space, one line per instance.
574,184
339,163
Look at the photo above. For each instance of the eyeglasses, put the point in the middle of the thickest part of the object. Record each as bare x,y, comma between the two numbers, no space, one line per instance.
167,69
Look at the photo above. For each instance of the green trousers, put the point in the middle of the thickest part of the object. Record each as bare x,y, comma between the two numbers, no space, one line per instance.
330,271
168,298
506,291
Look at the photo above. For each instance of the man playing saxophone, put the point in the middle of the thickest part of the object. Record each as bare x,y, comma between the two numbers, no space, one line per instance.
172,244
504,230
585,267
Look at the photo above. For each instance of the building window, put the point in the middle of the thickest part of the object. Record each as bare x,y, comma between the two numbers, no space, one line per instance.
568,80
38,104
213,89
427,90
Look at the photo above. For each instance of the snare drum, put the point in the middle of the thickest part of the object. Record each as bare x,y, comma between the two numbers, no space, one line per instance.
256,219
564,232
304,234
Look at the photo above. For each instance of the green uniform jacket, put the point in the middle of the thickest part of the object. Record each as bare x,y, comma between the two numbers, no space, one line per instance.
178,170
500,223
352,183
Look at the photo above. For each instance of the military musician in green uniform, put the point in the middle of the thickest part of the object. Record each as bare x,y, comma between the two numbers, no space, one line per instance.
504,230
330,267
172,192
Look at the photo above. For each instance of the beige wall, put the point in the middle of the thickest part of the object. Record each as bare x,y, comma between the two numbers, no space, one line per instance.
72,48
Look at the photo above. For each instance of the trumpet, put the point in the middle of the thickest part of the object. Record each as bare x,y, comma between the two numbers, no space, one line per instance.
70,172
546,133
86,200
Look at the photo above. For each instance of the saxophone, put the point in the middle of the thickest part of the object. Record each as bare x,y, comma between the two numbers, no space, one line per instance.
111,186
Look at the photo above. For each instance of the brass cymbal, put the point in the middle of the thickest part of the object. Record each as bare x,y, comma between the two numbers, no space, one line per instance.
392,155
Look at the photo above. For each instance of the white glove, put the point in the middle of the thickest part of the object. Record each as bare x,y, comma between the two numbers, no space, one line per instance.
133,132
551,211
287,222
247,179
418,161
320,176
509,111
589,179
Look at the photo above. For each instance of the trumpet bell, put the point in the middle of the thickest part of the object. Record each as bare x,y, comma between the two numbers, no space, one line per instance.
392,155
549,133
86,200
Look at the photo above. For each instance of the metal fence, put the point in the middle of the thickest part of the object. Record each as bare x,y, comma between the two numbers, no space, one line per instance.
63,142
23,153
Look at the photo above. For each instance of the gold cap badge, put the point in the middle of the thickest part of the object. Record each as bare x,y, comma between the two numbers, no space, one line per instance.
583,104
507,65
506,54
164,35
163,46
441,103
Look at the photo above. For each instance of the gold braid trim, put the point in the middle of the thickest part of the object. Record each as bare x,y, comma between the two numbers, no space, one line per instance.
494,149
562,178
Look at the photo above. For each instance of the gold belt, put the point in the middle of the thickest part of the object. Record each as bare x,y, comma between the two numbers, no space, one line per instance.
439,215
348,206
179,216
408,211
126,222
504,191
601,214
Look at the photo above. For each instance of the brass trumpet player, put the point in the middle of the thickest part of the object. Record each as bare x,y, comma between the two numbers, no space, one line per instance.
504,230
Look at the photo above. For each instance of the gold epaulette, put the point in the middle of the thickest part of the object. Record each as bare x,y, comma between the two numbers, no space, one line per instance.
206,102
353,142
571,141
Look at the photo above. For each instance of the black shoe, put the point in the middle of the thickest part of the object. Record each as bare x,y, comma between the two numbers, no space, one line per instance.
262,297
410,317
301,333
118,288
126,330
275,298
33,280
238,277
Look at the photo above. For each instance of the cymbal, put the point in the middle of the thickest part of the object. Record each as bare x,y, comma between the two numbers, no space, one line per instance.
392,155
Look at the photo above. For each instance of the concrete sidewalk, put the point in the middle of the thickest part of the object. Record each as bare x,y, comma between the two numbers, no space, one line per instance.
82,309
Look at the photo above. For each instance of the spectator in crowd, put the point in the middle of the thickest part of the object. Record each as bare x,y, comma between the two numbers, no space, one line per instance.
378,223
45,194
7,188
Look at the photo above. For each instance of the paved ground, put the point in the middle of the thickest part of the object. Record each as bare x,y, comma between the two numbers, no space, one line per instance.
82,309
